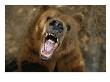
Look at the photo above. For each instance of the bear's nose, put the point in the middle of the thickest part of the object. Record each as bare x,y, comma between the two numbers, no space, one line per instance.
57,25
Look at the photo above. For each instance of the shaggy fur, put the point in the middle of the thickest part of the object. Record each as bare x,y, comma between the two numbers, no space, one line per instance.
67,57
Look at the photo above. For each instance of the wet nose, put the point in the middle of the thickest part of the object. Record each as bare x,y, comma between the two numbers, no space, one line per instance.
57,25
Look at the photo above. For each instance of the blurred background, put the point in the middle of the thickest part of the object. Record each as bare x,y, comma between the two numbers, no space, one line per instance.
92,35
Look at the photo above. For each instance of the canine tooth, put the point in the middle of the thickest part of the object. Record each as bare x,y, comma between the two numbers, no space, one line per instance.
57,40
49,34
52,34
46,34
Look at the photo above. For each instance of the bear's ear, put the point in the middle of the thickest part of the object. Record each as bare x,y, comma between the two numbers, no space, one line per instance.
79,17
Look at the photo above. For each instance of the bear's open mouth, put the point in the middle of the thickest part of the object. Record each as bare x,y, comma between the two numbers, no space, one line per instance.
48,47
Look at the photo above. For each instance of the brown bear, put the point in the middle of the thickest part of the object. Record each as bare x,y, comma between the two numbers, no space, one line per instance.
51,44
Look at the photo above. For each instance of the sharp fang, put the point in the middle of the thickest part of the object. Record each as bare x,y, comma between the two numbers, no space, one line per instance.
52,34
57,40
46,34
49,34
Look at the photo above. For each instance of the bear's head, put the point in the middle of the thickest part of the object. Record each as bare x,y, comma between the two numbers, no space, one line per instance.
56,33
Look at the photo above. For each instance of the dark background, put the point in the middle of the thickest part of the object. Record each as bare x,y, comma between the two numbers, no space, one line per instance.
92,35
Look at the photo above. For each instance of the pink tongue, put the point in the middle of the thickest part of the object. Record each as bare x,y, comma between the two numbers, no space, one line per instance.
49,45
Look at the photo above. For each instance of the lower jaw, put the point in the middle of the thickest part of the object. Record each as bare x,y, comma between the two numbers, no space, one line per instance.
44,58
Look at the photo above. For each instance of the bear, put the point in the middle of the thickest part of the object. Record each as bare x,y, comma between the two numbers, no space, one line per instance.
51,44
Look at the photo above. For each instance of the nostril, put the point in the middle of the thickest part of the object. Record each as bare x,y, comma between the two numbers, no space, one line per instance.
61,28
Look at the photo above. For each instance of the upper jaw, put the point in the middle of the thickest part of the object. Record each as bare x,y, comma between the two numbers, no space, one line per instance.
50,34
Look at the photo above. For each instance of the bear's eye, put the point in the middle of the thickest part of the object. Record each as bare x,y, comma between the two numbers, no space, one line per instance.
48,18
68,27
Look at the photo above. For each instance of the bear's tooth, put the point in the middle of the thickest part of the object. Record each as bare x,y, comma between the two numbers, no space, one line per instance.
46,34
49,34
52,34
57,40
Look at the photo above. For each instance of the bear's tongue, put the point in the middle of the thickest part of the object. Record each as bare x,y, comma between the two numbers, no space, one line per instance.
49,46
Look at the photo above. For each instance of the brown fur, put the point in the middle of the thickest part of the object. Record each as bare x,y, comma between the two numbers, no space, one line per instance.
68,56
